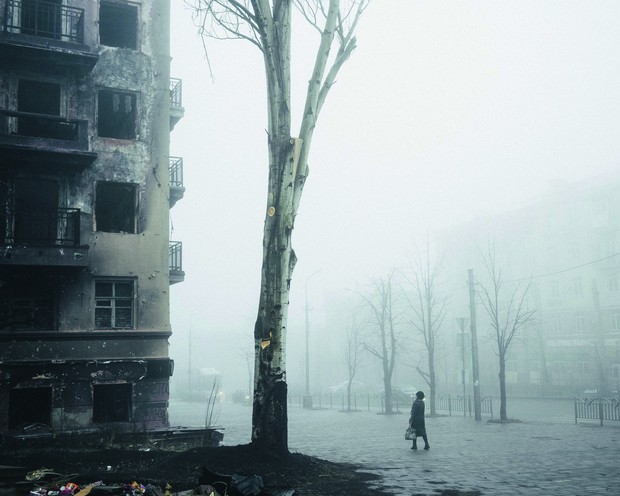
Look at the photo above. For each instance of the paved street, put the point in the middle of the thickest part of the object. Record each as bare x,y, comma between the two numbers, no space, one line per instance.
546,454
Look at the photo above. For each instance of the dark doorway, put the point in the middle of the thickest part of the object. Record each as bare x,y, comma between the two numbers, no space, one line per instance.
36,211
38,97
30,406
118,25
111,403
27,299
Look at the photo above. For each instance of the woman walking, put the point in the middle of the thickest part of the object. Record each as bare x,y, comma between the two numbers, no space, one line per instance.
416,421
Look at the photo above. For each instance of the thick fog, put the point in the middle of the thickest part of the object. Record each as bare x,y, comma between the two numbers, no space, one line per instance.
446,113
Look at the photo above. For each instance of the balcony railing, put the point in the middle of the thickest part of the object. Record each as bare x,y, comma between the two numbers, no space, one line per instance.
175,253
176,93
25,124
176,172
44,19
177,190
40,226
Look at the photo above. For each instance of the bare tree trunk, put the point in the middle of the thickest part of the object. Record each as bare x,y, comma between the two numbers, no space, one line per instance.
384,319
502,385
349,396
269,417
432,380
428,313
508,317
267,25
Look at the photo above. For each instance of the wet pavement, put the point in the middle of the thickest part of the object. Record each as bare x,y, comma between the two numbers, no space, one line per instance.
545,454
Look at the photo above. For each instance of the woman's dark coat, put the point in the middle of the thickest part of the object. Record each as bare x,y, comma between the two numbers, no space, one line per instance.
416,421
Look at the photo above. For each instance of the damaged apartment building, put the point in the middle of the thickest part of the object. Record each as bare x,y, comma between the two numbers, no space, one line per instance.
86,183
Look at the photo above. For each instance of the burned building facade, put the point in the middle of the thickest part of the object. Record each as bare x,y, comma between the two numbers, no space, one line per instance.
86,183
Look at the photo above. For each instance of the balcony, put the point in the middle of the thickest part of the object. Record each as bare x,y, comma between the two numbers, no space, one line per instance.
175,262
41,236
177,190
46,34
176,102
37,138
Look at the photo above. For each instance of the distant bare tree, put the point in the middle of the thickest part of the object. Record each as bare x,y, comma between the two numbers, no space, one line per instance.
266,24
508,315
429,312
383,322
353,355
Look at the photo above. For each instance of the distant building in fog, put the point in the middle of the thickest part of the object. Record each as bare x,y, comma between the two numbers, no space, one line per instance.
569,241
86,183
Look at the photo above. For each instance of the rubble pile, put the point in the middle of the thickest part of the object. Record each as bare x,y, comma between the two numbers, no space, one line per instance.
47,482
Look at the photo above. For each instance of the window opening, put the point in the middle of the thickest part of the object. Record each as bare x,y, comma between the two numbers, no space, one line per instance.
114,304
111,403
30,406
115,209
580,323
116,114
118,25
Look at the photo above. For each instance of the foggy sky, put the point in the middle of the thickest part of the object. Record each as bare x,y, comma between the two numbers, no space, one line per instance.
445,111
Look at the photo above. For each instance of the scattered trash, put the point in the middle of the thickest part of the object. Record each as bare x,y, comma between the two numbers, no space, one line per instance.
47,482
39,474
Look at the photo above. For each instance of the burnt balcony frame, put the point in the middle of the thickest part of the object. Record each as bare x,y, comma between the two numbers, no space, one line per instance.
49,36
42,126
50,238
43,137
61,226
44,19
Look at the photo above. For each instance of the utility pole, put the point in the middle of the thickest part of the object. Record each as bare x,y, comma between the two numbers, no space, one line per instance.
599,342
474,346
189,363
461,321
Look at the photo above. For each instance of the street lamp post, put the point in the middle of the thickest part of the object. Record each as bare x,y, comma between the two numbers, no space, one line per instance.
475,372
462,322
307,402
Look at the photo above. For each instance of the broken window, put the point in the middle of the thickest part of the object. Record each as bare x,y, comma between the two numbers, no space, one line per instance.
116,114
114,304
39,97
115,207
30,406
111,403
118,25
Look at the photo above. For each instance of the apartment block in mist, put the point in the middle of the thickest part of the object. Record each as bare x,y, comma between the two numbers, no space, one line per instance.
86,183
568,241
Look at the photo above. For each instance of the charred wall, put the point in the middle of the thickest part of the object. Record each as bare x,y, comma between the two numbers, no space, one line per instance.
85,320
